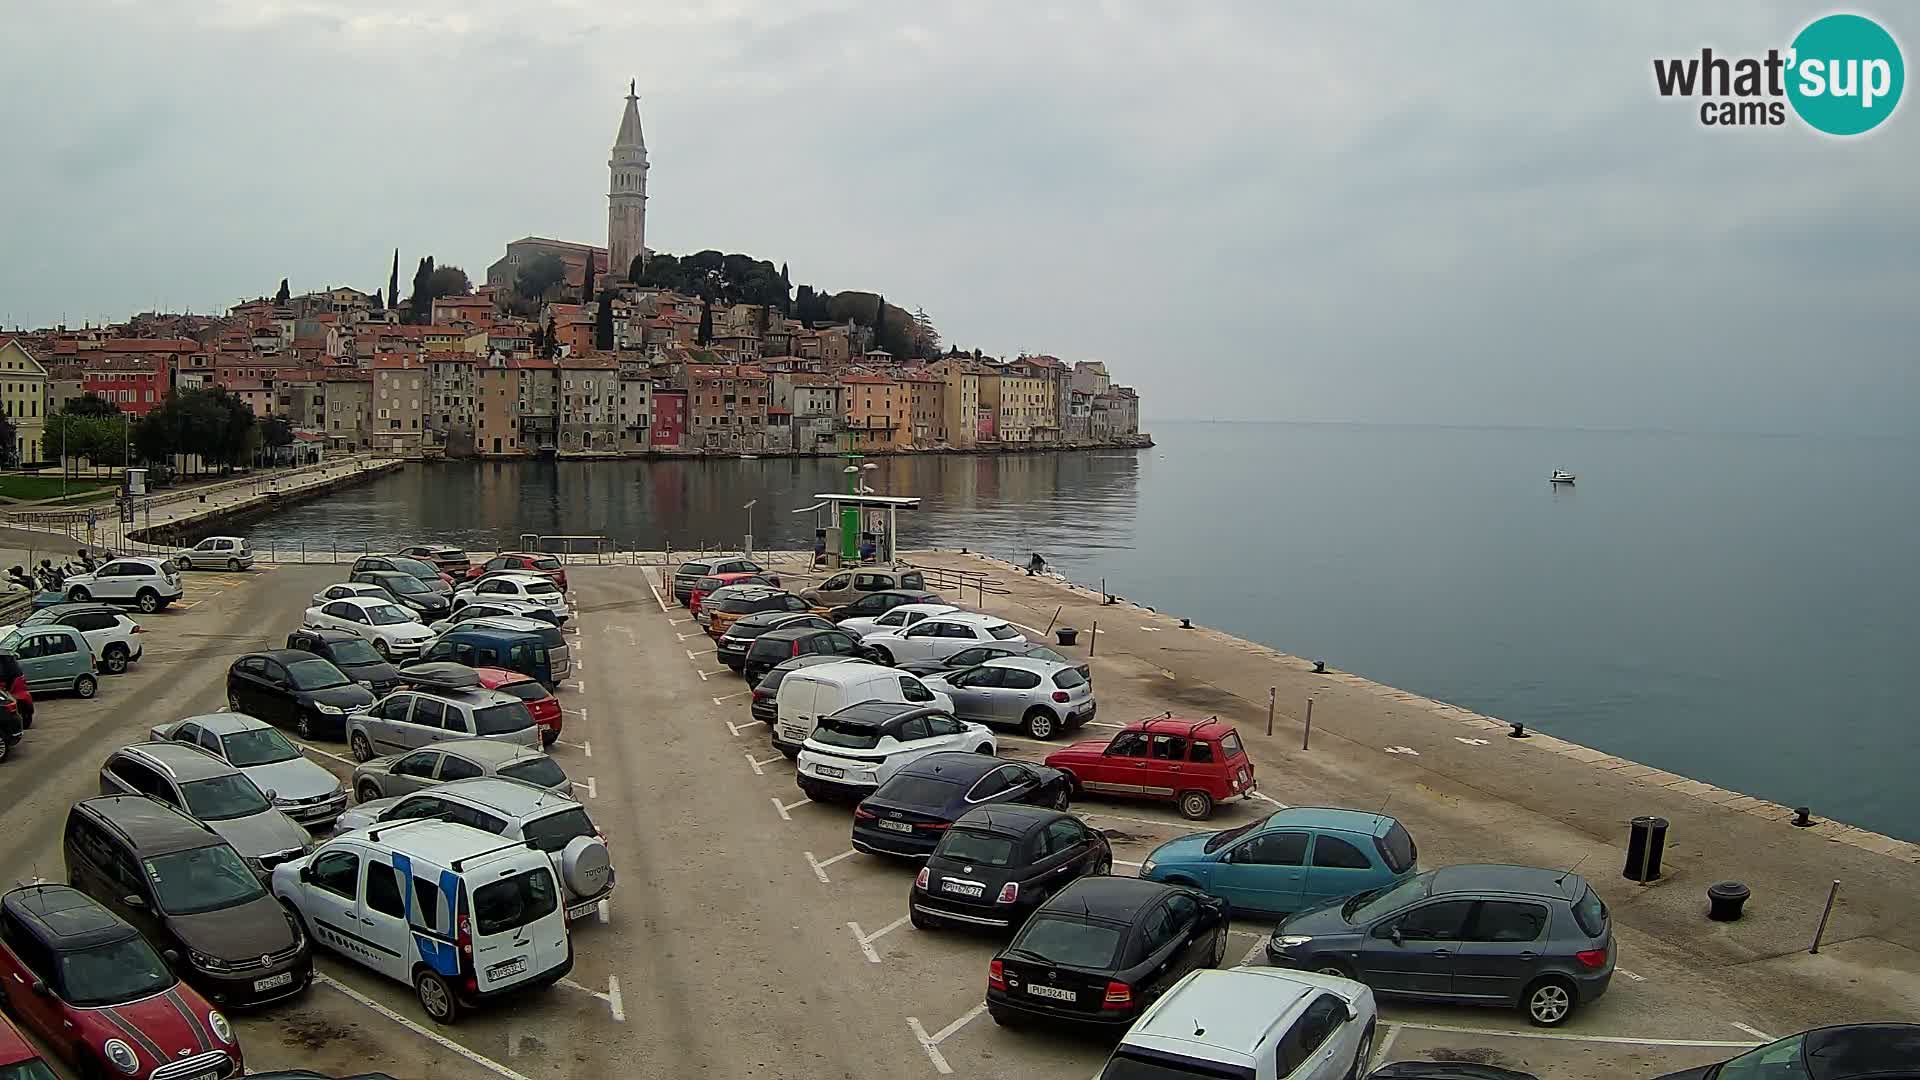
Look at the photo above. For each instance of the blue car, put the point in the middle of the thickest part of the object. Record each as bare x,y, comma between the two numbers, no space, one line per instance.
1295,859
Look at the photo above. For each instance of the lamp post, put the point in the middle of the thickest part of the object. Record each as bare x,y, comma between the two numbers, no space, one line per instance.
749,509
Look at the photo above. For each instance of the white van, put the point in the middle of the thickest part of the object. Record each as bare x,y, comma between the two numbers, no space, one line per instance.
459,914
810,693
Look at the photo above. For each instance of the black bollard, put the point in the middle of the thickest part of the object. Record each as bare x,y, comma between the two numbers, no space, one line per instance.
1725,899
1803,818
1519,731
1646,842
1066,635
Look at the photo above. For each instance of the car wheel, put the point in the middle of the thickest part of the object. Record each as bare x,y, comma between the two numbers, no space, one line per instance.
6,748
233,701
86,686
1549,1002
436,996
303,725
233,565
548,738
114,658
882,656
185,563
79,593
1196,805
301,921
361,750
1041,724
1219,949
380,646
1062,798
148,601
1333,968
367,792
1365,1055
1105,869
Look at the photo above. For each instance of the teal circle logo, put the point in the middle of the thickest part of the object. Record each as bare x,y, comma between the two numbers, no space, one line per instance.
1846,74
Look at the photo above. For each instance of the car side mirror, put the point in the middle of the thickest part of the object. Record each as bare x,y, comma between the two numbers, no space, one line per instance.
306,875
41,988
171,956
1393,932
1353,1013
134,901
271,794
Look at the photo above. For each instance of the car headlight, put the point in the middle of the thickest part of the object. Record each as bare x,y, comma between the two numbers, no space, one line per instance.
206,963
121,1055
219,1025
325,709
1289,941
258,866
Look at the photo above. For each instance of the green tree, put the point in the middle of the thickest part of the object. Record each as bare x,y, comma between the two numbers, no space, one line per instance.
448,280
540,275
552,347
281,296
393,280
586,283
9,444
275,432
706,321
378,301
91,404
786,290
603,324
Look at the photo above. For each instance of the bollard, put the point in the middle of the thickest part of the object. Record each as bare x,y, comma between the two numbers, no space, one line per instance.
1066,636
1803,818
1646,842
1821,930
1050,622
1725,899
1270,692
1518,731
1306,736
1319,667
1093,638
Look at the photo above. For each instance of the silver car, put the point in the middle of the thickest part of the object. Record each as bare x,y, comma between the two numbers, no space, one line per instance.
299,788
1041,696
460,759
207,789
407,720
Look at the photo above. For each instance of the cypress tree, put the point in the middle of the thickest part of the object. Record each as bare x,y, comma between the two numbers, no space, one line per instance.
393,281
706,320
586,283
603,324
282,296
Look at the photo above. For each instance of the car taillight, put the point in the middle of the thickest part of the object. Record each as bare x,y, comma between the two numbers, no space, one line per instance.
936,826
920,882
1119,996
996,975
1008,893
464,936
760,695
861,813
137,629
796,649
1059,695
1593,958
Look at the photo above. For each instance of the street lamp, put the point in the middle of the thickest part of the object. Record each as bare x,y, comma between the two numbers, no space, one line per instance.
749,509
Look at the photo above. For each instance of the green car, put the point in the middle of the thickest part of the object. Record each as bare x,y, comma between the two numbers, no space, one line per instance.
54,658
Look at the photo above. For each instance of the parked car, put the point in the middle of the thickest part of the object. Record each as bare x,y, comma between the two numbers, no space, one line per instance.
980,654
459,759
998,863
501,905
806,696
192,894
690,572
448,560
13,679
19,1060
297,787
766,693
554,824
896,618
347,651
703,598
547,714
12,728
54,659
149,584
801,639
408,719
1040,697
207,789
526,562
226,552
527,588
914,808
428,574
731,646
98,994
939,636
1252,1022
1193,764
1294,859
854,751
499,606
524,645
346,589
1841,1052
713,583
723,612
870,605
850,585
428,605
1098,952
297,689
111,634
1511,936
391,630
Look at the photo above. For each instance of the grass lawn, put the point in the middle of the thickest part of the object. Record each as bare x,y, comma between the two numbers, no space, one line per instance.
29,488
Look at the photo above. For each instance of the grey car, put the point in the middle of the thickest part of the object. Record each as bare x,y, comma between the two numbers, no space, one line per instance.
693,570
993,650
1042,697
460,759
299,788
1513,936
205,788
410,719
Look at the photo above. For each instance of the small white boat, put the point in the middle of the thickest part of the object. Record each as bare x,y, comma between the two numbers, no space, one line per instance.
1560,477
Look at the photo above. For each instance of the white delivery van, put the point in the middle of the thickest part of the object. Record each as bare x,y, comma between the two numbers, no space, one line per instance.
810,693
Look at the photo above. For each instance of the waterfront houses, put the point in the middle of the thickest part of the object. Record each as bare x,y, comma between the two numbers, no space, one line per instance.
23,395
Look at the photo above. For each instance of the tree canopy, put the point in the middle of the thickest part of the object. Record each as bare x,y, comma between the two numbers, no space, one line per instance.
91,404
536,277
727,279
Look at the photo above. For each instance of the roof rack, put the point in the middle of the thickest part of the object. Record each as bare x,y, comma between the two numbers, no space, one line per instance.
1193,726
373,834
441,675
460,863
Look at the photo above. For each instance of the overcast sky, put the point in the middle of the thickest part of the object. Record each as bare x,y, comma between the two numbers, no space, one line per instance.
1469,214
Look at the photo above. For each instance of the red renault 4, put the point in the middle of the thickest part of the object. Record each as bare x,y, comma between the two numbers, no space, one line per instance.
1190,763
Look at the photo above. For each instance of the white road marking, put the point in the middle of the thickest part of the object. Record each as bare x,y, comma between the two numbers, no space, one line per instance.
328,754
1258,950
866,940
729,697
1629,974
705,675
587,747
611,997
677,622
1124,862
1380,1048
656,596
431,1036
580,712
1135,820
1103,723
757,770
592,792
1402,750
737,728
780,808
931,1043
1268,798
820,868
1555,1036
1754,1031
690,655
1470,742
602,909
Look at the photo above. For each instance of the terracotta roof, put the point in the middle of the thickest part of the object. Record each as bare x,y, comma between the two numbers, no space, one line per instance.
864,379
149,345
589,363
394,363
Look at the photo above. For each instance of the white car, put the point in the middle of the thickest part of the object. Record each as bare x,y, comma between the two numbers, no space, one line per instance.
898,618
386,626
149,584
108,630
226,552
855,750
528,588
940,636
299,788
351,588
1262,1023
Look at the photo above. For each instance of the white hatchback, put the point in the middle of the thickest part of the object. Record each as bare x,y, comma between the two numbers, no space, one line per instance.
526,588
855,750
940,636
386,626
1258,1022
893,618
149,584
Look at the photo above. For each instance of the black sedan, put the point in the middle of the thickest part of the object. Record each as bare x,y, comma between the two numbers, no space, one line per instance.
1842,1052
1099,951
732,646
996,864
776,646
766,692
295,688
916,806
409,591
349,652
994,650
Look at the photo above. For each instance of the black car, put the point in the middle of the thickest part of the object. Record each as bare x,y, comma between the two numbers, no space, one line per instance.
879,603
432,575
996,864
483,609
732,646
994,650
776,646
914,808
1842,1052
1098,952
297,689
409,592
349,652
766,692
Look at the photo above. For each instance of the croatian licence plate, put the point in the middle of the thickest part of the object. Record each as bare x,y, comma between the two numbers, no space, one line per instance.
959,888
896,826
1053,992
830,770
511,967
285,978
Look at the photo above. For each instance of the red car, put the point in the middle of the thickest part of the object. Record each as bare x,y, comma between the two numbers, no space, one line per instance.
540,702
522,562
96,992
1191,763
18,1059
15,678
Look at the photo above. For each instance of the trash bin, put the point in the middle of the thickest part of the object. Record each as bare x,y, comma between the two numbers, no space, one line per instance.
1725,899
1066,635
1646,841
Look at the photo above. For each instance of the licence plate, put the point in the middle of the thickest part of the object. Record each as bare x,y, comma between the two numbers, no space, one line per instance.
511,967
579,910
896,826
959,888
1053,992
832,771
205,1076
285,978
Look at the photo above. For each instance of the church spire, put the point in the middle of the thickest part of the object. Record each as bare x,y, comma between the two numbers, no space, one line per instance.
630,122
627,191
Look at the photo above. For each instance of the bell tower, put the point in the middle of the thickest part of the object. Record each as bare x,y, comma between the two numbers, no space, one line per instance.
627,192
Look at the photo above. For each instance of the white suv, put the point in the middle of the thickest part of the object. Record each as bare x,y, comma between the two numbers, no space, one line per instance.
389,628
1258,1022
108,630
150,584
937,637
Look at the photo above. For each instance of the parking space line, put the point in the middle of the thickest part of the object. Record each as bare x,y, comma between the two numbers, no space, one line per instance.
866,940
656,596
737,728
1268,798
705,675
1122,817
1557,1036
931,1043
1754,1031
758,765
431,1036
587,747
723,698
580,712
327,753
611,997
1258,950
1124,862
592,792
678,622
820,868
784,808
1629,974
1385,1044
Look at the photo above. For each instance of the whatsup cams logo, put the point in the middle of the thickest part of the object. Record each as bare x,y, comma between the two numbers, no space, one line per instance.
1842,75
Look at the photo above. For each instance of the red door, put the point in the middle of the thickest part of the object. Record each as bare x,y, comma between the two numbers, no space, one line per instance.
1122,769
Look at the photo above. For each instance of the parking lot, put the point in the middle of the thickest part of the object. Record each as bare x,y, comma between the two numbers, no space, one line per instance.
746,937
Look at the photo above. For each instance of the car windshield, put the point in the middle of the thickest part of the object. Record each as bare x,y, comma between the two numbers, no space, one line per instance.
1069,678
1069,942
539,771
114,973
353,653
201,879
315,675
31,1069
1372,904
257,746
1131,1064
1220,840
501,906
218,798
1041,652
1003,632
388,615
546,562
1774,1061
502,719
970,846
541,588
553,832
851,734
404,584
525,690
692,569
418,568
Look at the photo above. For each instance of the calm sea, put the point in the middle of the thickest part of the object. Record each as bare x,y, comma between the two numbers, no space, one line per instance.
1742,609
